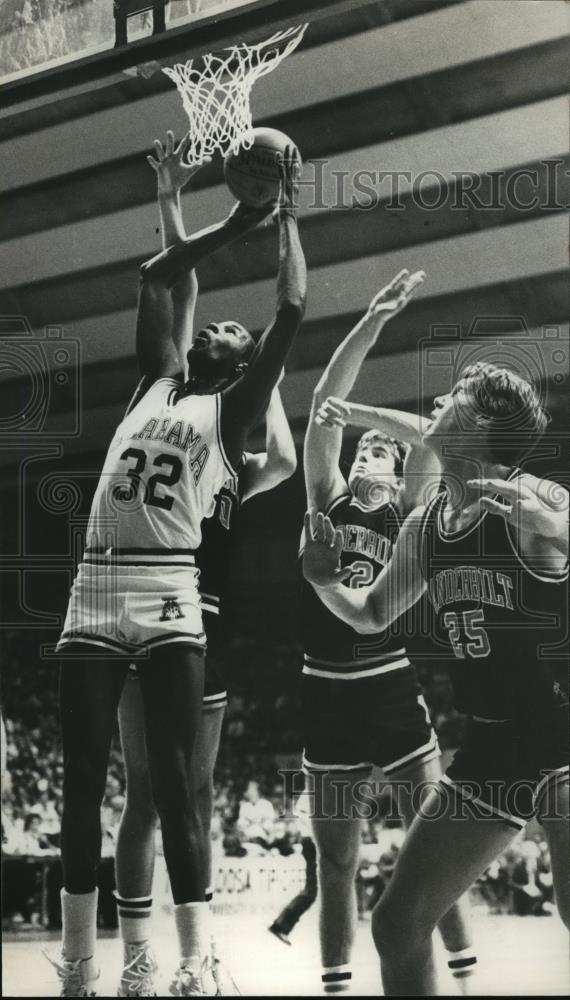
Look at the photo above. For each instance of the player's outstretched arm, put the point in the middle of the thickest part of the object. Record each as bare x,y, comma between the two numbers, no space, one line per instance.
340,374
244,401
278,462
173,173
367,609
156,353
323,440
422,468
169,265
398,424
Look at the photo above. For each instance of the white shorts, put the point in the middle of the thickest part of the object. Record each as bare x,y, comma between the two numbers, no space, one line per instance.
131,609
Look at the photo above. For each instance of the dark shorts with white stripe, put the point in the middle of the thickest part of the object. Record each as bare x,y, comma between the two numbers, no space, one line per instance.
352,726
215,693
511,769
215,688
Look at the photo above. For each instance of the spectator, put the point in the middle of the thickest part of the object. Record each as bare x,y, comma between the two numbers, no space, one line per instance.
45,807
256,816
32,842
12,829
283,839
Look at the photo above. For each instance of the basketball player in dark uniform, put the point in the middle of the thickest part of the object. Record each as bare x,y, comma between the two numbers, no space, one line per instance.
362,703
135,853
491,551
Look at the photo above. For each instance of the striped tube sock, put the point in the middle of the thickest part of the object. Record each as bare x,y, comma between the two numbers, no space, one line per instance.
134,921
462,965
336,978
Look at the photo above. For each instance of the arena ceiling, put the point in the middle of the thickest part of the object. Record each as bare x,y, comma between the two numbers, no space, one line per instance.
396,86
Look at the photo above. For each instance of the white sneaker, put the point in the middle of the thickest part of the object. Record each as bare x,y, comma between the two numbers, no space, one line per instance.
187,981
78,976
225,984
137,979
195,979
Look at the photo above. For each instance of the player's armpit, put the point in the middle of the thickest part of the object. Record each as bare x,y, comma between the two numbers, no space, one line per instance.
244,401
422,476
143,387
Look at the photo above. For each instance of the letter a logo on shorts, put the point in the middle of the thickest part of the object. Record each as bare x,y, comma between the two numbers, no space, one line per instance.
170,609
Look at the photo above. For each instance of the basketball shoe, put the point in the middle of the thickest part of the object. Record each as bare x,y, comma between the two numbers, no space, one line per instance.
192,980
137,979
78,976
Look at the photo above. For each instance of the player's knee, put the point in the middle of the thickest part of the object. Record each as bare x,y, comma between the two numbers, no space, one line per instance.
396,929
139,785
337,859
140,810
388,929
173,795
84,781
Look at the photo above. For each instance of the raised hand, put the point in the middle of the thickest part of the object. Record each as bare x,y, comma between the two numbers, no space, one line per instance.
322,551
333,412
522,506
394,297
170,165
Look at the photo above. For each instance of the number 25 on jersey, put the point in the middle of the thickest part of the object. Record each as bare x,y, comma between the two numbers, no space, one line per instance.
466,635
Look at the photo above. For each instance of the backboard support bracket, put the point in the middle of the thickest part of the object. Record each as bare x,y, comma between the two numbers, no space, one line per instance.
123,9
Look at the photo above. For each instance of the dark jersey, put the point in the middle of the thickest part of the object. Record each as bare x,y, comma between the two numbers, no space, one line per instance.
500,625
334,649
214,556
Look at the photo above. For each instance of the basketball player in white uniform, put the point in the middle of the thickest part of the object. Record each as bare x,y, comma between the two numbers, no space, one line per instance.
134,856
362,704
136,598
491,551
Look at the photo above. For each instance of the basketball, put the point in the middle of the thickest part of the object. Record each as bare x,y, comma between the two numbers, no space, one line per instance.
252,175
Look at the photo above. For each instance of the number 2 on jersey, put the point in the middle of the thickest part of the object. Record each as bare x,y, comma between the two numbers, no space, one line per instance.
466,623
362,573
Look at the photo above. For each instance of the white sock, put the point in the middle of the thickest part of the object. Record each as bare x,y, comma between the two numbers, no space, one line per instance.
336,978
79,917
134,922
193,927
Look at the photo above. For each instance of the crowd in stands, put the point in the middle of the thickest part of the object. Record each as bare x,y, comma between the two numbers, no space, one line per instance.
252,813
38,31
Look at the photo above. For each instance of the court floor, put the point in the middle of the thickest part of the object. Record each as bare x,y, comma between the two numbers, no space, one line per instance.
519,956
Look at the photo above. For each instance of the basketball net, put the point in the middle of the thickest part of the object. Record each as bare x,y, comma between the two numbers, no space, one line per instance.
216,97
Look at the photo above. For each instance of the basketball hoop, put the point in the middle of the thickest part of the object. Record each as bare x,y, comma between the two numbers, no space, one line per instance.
216,97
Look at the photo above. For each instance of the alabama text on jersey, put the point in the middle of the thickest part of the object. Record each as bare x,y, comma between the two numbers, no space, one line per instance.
163,468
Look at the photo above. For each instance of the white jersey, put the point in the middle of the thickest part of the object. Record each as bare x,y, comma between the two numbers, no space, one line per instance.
163,468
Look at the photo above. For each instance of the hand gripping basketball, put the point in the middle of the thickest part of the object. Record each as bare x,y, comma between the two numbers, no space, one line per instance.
289,172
